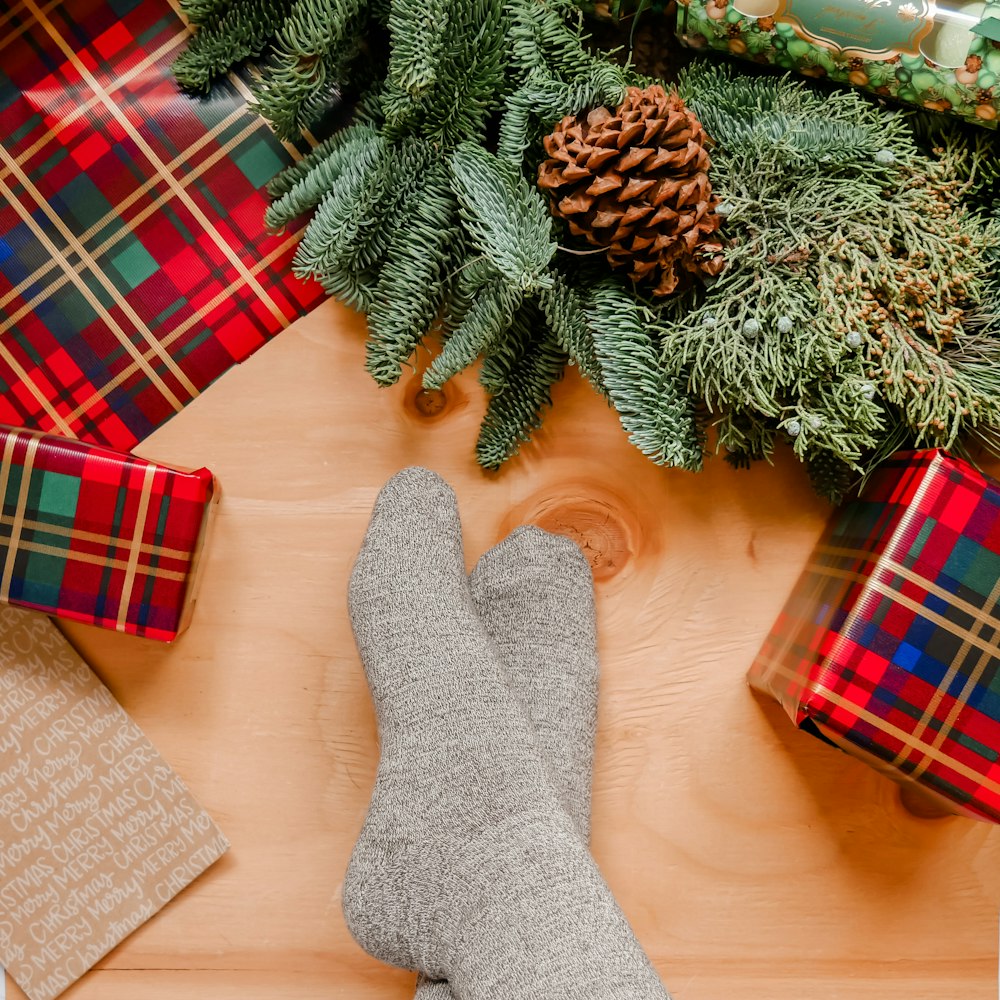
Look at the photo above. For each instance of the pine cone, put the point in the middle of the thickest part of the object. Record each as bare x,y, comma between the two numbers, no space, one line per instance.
635,182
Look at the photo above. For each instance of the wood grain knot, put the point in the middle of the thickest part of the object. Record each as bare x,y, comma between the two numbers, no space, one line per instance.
430,404
602,526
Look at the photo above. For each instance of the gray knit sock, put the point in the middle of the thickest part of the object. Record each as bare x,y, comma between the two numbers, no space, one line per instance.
467,867
535,595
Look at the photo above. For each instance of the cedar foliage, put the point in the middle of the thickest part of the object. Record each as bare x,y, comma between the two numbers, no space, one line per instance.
858,309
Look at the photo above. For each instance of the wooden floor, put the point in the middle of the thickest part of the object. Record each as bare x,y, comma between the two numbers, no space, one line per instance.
752,860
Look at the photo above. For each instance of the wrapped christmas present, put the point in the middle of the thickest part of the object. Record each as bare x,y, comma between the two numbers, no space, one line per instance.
945,57
888,645
100,536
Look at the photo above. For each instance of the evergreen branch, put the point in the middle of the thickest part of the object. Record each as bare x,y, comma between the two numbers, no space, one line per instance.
344,213
531,110
314,44
751,339
745,436
527,325
522,392
283,182
835,415
357,289
564,313
305,184
415,278
651,404
469,278
548,38
487,320
447,92
243,30
859,306
201,12
399,185
298,92
778,117
419,34
316,27
506,218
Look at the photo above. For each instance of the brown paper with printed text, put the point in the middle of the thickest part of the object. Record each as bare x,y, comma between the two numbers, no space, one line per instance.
97,832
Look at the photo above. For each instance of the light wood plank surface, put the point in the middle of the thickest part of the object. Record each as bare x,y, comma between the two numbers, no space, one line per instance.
751,859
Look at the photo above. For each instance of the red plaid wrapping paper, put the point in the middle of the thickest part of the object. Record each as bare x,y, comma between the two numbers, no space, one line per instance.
134,264
99,536
888,645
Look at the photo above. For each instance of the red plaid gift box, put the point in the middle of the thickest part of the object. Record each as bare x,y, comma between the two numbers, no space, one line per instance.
100,536
888,646
134,263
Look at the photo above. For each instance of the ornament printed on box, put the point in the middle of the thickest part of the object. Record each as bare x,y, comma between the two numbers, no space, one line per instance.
873,29
936,56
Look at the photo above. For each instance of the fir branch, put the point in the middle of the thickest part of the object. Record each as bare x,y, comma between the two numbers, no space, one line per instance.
345,211
416,277
489,317
506,218
419,35
564,313
204,11
447,95
526,326
283,182
522,392
315,42
243,30
357,289
548,38
301,187
396,185
298,91
468,279
531,111
784,118
651,403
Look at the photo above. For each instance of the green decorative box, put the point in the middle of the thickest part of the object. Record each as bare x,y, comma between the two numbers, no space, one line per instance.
946,58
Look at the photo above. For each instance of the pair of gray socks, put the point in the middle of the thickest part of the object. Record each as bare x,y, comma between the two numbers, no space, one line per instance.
472,865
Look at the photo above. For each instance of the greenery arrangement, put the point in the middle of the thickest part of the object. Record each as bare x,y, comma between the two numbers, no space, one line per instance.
835,261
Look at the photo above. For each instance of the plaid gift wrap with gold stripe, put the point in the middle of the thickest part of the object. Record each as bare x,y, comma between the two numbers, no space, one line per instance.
99,536
135,267
888,645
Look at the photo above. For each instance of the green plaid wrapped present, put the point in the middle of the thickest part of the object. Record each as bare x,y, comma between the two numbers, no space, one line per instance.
100,536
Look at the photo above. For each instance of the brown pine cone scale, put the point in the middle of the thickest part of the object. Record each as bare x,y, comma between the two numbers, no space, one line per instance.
635,182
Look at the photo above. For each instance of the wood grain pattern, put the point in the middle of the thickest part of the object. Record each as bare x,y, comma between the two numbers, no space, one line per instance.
751,859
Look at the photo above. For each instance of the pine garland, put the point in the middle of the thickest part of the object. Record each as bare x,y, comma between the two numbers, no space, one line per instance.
858,310
230,32
518,379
